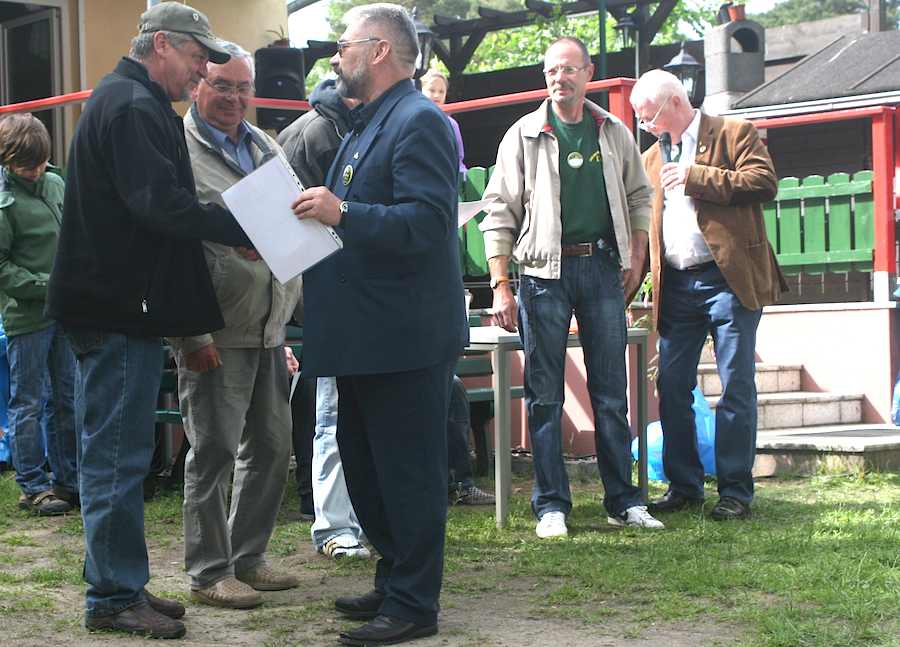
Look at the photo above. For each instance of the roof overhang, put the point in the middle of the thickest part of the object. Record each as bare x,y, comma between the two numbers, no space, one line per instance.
819,105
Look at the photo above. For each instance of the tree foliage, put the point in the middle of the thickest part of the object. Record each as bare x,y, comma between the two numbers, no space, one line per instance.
791,12
526,45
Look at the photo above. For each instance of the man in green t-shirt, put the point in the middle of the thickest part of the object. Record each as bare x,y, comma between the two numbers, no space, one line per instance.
572,206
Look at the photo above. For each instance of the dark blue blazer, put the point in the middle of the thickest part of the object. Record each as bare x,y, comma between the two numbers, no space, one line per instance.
392,299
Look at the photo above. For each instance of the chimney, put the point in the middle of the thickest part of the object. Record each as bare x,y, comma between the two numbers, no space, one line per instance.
735,62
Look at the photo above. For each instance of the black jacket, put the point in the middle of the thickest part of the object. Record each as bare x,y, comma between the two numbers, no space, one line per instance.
129,257
312,140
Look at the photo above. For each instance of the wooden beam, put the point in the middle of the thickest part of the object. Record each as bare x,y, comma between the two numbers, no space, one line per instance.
655,22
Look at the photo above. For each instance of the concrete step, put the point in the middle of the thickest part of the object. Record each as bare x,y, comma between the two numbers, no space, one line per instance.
809,450
770,378
804,409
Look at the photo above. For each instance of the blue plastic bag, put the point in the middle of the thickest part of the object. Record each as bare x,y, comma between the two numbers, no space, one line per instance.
705,427
895,402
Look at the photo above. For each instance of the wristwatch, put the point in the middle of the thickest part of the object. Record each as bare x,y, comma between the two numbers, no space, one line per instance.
495,282
344,207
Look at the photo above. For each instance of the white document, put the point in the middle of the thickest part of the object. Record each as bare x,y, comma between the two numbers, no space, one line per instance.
468,210
261,203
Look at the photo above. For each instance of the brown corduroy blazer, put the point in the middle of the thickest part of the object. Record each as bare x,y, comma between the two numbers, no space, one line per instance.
731,177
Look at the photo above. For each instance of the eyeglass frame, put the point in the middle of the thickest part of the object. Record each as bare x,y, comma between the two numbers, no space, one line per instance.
342,44
647,125
567,70
232,89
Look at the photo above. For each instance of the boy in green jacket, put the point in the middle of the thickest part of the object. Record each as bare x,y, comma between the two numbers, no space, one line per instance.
31,202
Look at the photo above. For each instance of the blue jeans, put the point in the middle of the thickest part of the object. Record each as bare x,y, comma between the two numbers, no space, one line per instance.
696,303
39,361
334,512
117,387
591,287
458,427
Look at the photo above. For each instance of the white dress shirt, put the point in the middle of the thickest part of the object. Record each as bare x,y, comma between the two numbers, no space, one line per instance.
684,244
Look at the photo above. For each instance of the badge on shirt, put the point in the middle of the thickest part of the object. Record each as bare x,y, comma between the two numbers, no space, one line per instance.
347,175
574,160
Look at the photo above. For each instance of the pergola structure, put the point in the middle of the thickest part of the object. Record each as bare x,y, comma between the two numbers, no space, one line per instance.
456,39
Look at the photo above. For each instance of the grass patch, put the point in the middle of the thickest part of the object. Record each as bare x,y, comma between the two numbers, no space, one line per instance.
817,566
18,540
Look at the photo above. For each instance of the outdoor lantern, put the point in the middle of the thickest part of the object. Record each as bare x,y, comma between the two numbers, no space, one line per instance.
688,70
627,27
426,42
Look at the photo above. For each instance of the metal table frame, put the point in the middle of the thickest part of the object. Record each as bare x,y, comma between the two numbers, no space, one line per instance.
500,342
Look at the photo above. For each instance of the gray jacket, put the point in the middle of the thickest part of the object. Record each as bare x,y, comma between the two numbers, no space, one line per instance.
524,220
255,305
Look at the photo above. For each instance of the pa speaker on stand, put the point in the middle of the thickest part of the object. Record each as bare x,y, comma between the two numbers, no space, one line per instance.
280,74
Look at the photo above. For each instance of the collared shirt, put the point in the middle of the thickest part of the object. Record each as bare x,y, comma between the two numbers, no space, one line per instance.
684,244
238,152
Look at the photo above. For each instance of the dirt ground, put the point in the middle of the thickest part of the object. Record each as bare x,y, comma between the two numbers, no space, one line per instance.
476,610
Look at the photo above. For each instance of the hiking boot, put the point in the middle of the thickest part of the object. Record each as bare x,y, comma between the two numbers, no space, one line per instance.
139,619
264,578
635,517
170,608
473,496
552,524
44,504
229,593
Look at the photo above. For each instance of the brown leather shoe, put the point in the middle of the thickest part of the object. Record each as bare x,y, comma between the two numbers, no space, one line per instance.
228,593
139,619
264,578
170,608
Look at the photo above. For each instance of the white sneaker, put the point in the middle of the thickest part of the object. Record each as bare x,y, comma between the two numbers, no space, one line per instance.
345,546
635,517
552,524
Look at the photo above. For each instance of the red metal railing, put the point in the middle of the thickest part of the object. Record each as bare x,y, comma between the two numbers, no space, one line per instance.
885,130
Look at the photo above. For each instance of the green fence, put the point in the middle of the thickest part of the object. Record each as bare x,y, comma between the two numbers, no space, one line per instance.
815,224
822,224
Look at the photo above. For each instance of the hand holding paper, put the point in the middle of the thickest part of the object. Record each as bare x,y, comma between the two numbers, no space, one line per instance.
318,203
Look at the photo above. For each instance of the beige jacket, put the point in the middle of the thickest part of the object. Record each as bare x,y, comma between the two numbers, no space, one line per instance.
255,305
524,220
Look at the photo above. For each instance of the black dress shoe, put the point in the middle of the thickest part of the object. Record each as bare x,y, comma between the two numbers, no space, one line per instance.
170,608
139,619
673,502
729,508
385,630
360,607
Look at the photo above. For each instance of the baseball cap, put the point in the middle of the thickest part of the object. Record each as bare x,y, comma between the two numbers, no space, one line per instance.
182,19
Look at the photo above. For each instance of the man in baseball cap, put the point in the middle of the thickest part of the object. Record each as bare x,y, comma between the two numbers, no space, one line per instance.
182,19
129,270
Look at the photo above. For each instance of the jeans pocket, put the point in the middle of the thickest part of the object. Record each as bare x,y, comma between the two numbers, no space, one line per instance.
84,342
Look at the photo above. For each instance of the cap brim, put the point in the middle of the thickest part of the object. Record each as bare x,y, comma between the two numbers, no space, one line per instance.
217,53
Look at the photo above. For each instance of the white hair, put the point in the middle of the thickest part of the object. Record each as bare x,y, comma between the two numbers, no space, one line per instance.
655,86
236,51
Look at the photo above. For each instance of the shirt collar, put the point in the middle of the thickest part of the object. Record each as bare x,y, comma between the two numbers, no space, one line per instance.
221,137
692,132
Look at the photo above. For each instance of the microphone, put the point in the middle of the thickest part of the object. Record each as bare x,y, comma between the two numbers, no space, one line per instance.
665,146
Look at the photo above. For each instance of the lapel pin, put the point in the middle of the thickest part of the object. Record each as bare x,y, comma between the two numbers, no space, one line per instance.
702,148
347,175
356,155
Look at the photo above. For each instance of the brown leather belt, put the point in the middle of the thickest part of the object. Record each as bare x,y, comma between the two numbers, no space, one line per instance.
579,249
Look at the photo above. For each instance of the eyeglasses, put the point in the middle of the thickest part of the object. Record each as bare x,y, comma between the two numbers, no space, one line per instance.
566,70
646,126
342,44
228,89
